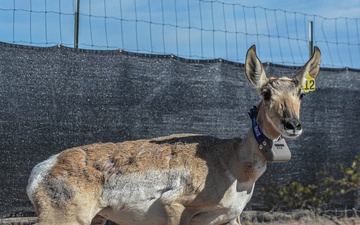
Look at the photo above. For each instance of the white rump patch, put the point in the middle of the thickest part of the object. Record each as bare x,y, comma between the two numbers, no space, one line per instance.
38,173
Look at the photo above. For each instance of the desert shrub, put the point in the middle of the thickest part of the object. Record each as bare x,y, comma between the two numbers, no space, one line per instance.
322,194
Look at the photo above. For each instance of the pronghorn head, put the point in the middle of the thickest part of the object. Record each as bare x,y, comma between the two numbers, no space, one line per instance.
279,110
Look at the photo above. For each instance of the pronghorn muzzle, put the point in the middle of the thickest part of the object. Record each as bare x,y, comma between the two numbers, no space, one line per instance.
292,127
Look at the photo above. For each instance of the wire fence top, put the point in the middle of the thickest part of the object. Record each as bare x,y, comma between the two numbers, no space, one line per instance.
194,29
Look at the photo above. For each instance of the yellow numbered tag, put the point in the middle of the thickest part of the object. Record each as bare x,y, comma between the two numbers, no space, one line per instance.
309,84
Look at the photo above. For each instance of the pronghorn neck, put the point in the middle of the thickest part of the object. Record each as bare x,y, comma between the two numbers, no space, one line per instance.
250,159
267,128
249,163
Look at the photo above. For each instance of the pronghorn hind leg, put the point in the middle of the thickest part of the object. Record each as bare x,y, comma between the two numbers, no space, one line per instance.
66,219
235,221
174,213
77,210
98,220
177,214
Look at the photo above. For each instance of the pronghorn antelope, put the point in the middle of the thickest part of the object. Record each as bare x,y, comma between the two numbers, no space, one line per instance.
179,179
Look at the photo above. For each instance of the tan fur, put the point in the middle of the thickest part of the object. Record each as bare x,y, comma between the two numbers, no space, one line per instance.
178,179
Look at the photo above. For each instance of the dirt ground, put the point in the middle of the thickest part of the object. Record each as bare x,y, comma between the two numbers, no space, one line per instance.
318,222
303,217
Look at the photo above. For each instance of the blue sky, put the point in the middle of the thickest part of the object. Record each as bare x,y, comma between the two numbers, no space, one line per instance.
201,29
324,8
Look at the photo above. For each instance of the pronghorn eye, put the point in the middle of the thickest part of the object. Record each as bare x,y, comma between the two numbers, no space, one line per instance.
266,95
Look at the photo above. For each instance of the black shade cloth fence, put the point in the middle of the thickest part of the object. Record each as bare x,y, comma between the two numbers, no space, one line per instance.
57,97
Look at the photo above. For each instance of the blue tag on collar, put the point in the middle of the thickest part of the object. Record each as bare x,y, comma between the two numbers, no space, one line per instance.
260,137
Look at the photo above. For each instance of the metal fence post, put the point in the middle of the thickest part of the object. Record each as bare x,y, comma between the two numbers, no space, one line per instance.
357,203
311,39
76,24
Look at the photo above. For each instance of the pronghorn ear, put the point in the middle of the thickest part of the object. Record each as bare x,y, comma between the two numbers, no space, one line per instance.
312,67
254,69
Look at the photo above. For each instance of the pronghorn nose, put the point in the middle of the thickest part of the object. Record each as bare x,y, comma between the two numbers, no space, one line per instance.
292,124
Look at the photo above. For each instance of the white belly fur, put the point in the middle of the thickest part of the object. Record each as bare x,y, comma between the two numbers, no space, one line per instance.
133,202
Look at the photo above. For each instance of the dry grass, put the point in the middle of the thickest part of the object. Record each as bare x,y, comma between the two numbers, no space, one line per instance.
302,217
18,221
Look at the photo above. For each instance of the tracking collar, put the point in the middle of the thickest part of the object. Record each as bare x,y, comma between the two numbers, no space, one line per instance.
274,151
260,137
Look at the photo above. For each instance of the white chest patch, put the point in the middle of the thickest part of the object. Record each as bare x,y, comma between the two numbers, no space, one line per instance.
230,207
